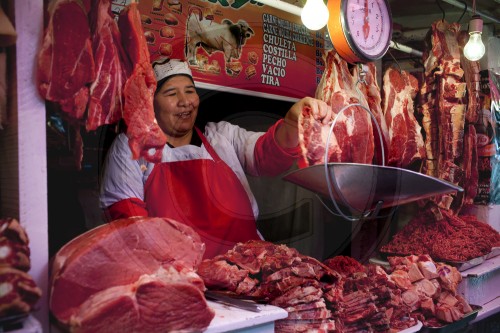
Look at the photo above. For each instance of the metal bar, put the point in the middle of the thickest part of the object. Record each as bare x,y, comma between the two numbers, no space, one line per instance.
404,48
292,9
469,8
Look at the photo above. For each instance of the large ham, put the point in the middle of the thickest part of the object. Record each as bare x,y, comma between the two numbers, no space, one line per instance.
132,275
142,129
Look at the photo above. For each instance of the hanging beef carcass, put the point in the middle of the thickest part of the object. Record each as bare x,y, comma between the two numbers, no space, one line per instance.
406,144
65,60
352,137
142,129
106,92
443,109
470,160
132,275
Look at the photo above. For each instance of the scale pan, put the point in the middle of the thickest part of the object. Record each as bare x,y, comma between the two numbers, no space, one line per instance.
362,186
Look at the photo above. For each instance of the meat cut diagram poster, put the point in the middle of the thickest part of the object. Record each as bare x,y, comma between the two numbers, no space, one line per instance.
235,45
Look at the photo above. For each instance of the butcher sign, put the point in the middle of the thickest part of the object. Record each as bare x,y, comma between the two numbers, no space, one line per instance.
235,45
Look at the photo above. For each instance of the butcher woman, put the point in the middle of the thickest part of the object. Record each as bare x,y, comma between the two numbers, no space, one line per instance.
201,180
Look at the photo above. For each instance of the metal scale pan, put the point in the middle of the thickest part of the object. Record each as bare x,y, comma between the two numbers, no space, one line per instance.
364,186
367,188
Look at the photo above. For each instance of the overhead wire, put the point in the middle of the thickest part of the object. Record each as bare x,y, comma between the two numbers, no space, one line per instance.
463,13
442,10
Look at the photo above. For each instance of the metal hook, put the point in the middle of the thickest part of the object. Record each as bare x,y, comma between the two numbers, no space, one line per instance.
362,69
442,10
397,63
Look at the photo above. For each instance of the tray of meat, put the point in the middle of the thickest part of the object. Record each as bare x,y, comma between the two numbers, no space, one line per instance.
452,327
495,251
465,265
460,265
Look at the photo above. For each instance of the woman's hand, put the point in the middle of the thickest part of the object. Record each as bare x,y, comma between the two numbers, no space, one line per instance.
287,135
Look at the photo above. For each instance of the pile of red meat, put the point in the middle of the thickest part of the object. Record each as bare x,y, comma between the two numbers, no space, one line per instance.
131,275
18,291
98,71
450,238
429,289
316,297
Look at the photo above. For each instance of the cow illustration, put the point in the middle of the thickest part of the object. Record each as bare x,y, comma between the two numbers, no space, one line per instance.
226,37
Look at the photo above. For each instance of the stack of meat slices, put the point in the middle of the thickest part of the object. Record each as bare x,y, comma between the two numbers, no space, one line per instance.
280,275
316,296
19,292
370,301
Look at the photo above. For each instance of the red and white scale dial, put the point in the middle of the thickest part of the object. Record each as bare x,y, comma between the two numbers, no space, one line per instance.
360,30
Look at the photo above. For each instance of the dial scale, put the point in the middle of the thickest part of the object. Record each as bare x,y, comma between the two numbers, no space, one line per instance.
360,30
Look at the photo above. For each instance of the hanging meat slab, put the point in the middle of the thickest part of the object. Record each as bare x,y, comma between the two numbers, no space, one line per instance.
131,275
372,93
142,129
443,110
65,60
352,136
106,98
406,144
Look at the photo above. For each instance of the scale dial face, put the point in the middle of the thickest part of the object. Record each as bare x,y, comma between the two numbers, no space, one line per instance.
360,30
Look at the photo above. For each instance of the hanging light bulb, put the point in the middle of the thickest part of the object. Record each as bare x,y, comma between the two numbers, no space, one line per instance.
474,49
315,14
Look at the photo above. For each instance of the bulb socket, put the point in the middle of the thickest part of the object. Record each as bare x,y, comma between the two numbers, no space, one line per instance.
475,24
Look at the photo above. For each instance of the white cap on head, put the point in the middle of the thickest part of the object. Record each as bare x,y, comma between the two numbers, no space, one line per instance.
165,67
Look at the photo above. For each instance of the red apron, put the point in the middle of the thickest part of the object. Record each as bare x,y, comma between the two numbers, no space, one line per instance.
206,195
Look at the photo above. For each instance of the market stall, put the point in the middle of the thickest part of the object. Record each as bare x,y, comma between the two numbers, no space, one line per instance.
388,220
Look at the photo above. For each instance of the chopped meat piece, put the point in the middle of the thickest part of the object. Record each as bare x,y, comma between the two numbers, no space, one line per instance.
414,273
426,288
401,279
18,292
221,275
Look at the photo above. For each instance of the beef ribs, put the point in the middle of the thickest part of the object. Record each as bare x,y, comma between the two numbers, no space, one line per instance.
65,59
142,129
132,275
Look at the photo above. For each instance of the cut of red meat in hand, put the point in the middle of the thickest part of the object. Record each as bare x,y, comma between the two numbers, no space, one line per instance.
352,138
65,60
142,130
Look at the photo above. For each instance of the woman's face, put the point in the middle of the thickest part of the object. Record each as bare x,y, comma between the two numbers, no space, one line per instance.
176,106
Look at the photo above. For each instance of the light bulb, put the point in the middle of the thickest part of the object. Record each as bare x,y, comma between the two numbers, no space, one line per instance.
314,15
474,49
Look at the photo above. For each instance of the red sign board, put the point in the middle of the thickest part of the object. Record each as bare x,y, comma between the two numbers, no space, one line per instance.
238,45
